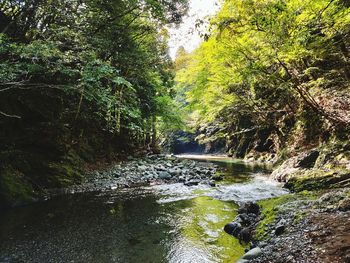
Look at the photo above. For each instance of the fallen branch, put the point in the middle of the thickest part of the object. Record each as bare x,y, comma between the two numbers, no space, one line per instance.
9,115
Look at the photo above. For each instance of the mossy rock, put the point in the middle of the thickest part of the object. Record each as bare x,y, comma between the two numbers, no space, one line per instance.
269,210
14,188
272,207
319,179
62,175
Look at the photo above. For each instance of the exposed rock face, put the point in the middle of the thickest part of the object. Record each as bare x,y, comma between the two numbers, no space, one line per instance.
295,164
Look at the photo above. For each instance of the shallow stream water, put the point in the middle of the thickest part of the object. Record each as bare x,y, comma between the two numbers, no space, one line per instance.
165,223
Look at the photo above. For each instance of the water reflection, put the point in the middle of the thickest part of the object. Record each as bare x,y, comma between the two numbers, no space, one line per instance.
168,223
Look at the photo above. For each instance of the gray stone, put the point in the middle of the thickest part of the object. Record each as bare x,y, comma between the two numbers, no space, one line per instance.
164,175
192,182
252,254
160,167
175,171
142,168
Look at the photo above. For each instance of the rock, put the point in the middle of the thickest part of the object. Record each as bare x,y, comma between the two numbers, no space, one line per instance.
344,205
164,175
246,219
175,172
142,168
308,159
212,183
217,177
182,179
290,167
160,168
245,235
252,254
192,182
249,208
280,227
233,228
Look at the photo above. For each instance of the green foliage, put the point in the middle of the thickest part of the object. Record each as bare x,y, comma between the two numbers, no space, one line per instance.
14,188
266,62
90,77
108,54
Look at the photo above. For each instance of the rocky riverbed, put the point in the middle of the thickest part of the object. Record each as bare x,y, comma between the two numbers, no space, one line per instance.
149,170
152,209
305,227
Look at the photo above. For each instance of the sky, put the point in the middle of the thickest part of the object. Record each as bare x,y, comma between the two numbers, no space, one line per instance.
186,35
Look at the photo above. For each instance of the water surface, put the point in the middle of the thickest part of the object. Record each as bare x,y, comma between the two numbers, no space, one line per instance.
166,223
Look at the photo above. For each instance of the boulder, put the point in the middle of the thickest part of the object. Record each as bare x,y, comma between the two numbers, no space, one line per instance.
164,176
249,208
233,228
308,159
175,172
291,166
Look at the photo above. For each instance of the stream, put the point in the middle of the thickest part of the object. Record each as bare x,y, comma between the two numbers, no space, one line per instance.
161,223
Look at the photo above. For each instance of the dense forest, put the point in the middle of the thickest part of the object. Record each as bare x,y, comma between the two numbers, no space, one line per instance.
272,76
81,81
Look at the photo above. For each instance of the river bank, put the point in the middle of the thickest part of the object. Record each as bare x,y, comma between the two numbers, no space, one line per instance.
145,171
311,224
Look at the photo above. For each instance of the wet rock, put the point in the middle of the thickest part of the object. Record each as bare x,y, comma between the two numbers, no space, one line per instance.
233,228
249,208
245,235
182,179
246,219
217,177
212,183
252,254
192,182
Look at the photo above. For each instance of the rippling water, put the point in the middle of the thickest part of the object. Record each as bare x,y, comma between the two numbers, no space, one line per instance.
166,223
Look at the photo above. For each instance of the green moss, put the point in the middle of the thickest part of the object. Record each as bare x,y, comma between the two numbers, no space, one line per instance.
63,174
319,179
269,210
14,188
